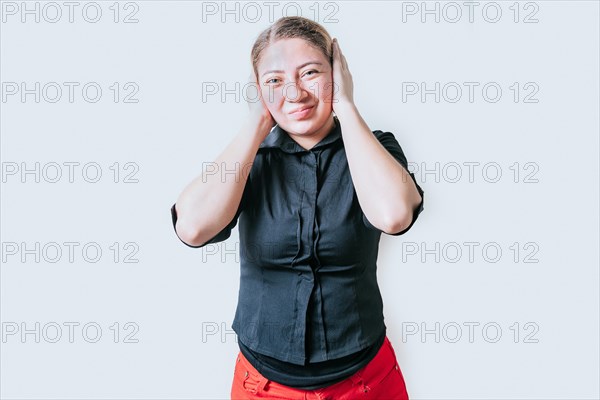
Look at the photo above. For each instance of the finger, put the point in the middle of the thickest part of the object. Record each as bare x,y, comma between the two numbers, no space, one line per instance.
340,53
337,46
341,57
254,83
336,51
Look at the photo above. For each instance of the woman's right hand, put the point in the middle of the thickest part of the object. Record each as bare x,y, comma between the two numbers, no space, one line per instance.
258,108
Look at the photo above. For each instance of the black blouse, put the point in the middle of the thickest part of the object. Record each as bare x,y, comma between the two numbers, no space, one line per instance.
308,261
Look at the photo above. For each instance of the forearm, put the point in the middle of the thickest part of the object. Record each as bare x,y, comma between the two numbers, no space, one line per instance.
209,202
385,190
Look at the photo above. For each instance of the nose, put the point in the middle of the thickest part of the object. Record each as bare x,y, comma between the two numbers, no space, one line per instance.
293,92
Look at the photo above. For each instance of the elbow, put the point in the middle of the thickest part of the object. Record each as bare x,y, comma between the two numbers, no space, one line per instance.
399,220
398,224
188,233
402,219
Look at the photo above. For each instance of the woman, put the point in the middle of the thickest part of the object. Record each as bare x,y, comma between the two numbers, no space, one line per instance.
321,189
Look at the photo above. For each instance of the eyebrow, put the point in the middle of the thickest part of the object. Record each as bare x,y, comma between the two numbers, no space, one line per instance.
299,67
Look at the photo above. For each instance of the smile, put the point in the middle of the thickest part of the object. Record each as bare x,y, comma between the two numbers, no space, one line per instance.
302,112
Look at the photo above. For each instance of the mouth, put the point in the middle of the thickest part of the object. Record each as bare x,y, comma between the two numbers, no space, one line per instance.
302,111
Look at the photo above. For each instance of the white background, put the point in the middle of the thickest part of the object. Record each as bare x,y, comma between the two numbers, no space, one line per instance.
175,294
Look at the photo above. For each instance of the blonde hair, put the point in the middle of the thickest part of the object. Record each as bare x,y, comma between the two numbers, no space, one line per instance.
292,27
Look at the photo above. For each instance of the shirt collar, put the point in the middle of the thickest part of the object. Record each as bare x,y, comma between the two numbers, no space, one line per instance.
278,138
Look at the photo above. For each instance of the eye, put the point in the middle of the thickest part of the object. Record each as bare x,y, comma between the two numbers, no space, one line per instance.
312,70
269,81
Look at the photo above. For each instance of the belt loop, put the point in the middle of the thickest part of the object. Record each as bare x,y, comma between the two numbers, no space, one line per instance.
262,382
356,378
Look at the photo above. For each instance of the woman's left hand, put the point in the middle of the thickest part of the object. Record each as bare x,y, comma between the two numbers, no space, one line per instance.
342,80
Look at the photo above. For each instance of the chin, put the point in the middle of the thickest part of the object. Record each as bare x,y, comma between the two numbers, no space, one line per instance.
305,126
302,127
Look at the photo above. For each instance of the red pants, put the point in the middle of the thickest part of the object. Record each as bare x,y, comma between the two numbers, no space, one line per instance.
379,379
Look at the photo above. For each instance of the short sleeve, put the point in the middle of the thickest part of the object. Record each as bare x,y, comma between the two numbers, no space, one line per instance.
388,140
225,233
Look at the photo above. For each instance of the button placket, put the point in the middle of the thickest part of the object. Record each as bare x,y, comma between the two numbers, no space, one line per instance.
298,239
306,282
305,288
312,199
316,215
314,231
320,316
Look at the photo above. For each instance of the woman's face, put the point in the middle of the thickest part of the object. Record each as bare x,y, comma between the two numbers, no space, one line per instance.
294,75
